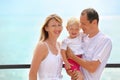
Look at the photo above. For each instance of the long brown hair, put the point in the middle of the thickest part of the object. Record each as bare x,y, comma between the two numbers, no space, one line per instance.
44,34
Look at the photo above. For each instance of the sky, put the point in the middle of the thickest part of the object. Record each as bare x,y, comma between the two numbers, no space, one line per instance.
63,7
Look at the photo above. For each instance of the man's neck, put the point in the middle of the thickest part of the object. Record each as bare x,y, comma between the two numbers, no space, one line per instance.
93,34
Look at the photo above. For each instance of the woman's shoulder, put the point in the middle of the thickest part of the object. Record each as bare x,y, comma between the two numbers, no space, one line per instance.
42,46
41,43
41,50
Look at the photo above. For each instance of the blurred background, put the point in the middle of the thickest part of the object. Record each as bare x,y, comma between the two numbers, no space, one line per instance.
21,20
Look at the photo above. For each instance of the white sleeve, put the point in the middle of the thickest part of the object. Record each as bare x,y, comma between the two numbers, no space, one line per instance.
103,52
64,44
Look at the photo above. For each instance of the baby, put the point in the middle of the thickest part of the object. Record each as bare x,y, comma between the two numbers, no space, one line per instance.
74,42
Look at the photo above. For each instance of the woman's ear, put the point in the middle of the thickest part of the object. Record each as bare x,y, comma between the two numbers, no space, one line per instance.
46,28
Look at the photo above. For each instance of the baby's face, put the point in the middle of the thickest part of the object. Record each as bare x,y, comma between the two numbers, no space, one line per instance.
73,30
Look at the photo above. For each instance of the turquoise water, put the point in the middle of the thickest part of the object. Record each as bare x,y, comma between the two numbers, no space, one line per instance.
22,74
19,35
20,23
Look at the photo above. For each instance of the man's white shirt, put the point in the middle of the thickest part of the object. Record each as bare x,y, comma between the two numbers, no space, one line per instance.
96,48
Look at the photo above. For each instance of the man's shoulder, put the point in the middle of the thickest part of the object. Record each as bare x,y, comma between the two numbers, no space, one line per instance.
105,37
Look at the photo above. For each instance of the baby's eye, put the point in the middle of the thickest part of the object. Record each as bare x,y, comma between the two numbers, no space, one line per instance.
59,25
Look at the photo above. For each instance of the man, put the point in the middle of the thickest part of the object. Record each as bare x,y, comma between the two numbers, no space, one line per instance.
97,47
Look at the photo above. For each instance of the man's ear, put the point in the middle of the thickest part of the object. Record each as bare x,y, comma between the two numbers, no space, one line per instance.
94,21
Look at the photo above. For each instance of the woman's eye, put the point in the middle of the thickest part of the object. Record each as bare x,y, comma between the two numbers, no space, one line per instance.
53,25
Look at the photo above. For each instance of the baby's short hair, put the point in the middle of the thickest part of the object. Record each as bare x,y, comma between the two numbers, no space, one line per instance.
72,21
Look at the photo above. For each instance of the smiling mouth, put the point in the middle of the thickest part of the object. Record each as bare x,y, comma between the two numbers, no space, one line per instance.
73,33
57,32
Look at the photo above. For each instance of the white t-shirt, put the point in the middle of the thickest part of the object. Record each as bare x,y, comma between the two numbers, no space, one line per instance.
75,44
96,48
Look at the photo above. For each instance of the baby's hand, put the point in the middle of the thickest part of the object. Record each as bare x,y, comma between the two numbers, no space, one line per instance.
67,66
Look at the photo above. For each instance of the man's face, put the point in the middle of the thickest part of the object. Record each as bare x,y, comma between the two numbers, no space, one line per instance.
85,24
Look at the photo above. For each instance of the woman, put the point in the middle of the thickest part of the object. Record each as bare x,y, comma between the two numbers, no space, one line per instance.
47,61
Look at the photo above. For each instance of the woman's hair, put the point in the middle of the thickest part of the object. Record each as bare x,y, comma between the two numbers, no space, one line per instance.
44,34
72,21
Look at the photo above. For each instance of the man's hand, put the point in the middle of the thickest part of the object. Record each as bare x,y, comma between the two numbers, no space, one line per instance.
75,75
69,72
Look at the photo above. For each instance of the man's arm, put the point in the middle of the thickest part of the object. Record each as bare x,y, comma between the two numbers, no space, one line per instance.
91,66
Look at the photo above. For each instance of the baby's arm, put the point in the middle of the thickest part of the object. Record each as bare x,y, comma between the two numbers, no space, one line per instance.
64,56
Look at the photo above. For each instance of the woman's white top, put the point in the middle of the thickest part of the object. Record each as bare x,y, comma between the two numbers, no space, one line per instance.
51,67
75,44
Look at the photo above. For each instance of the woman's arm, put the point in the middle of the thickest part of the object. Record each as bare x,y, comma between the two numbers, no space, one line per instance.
39,54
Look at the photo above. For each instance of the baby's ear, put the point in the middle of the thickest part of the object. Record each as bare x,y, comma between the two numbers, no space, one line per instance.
67,28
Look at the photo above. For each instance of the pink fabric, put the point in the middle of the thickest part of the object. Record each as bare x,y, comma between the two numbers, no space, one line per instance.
74,66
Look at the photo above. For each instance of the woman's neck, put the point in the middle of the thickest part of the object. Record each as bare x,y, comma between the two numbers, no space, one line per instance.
52,41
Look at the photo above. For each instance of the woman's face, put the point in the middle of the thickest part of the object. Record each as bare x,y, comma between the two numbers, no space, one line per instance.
54,28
